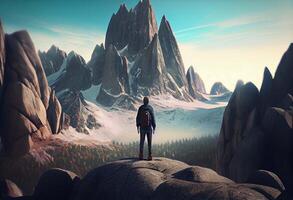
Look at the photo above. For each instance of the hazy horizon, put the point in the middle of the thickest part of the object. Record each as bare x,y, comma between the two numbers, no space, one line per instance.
224,40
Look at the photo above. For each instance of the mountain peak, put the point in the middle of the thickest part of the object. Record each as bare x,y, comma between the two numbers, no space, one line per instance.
122,10
135,28
53,48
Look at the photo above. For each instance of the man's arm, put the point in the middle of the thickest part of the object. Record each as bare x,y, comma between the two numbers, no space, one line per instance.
138,118
153,118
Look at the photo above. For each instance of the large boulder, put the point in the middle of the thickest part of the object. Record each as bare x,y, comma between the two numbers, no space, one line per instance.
56,184
239,119
264,177
26,98
163,179
257,127
278,157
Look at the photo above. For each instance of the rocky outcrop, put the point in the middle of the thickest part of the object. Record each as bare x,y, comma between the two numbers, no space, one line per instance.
195,84
257,127
172,57
56,184
283,79
75,107
160,178
149,70
218,88
72,75
25,97
134,28
115,77
52,59
96,64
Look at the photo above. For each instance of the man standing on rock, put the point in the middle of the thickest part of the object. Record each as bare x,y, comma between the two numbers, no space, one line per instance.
146,125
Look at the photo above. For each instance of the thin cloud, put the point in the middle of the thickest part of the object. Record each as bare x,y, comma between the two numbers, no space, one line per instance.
240,21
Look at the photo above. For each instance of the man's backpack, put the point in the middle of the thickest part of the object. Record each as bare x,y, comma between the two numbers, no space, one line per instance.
145,118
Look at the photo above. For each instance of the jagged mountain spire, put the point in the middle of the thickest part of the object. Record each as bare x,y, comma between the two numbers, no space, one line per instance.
171,53
135,28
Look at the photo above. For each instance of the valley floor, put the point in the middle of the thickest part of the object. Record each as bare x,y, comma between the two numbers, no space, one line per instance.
175,120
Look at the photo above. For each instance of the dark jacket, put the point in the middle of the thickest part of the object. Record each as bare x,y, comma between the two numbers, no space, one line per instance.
151,110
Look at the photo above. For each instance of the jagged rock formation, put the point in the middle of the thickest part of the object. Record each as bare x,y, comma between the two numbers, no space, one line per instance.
218,88
96,64
195,84
26,97
75,106
149,69
52,59
72,75
171,53
151,59
160,178
138,59
115,77
257,127
134,28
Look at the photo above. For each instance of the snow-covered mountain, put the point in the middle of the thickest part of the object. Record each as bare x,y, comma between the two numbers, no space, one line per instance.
138,59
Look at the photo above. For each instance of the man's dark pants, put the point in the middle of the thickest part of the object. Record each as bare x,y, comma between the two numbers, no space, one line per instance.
145,132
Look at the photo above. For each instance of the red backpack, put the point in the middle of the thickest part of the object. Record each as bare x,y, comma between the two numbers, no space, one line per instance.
145,119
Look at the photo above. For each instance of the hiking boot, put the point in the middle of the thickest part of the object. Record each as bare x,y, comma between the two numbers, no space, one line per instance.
140,157
150,157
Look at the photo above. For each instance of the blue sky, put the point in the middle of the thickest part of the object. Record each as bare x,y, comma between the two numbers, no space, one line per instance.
225,40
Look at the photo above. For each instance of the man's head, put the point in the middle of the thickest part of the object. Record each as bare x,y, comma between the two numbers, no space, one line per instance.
145,100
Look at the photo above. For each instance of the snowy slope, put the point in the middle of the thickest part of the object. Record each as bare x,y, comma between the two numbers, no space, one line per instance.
175,120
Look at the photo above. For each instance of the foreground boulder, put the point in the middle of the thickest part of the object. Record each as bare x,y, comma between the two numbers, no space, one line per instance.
25,96
164,178
56,184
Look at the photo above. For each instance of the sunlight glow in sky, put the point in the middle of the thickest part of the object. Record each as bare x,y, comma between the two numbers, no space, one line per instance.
224,40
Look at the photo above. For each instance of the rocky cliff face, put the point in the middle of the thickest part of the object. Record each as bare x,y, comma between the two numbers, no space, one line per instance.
96,64
158,179
137,60
134,28
195,84
171,53
72,75
149,69
75,106
218,88
257,127
52,59
26,97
